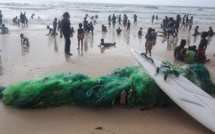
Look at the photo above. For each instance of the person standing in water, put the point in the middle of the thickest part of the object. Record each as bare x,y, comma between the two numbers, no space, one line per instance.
135,19
66,32
54,27
128,26
1,16
153,17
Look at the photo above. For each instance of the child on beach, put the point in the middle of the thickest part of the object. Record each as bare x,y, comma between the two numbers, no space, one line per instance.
50,30
80,36
140,32
24,40
4,30
202,48
179,51
118,30
106,44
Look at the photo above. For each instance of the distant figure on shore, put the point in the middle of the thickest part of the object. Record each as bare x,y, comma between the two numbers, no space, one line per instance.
135,19
190,23
114,20
119,19
183,21
15,21
80,36
210,31
118,31
128,26
109,19
196,32
85,23
58,25
154,35
171,28
104,28
156,17
106,44
32,16
66,32
24,40
4,30
54,27
25,19
1,16
22,19
153,18
140,32
125,20
90,28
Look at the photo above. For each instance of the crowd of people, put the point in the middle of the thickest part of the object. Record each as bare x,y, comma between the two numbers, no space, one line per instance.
169,26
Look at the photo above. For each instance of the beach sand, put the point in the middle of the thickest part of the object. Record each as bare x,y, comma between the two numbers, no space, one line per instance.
46,56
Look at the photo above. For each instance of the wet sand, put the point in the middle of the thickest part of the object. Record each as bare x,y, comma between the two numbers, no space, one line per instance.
46,55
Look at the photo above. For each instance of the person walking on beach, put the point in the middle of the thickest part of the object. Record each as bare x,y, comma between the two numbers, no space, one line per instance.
1,16
55,27
125,18
153,17
190,23
80,36
22,19
109,19
114,20
135,19
183,21
66,32
128,26
25,19
58,25
119,19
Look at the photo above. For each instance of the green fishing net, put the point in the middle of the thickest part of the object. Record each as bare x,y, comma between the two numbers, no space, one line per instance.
78,89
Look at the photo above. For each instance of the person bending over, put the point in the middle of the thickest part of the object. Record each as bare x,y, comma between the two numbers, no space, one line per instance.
50,30
24,40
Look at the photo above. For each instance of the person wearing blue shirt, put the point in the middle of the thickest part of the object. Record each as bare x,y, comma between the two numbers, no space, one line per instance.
4,30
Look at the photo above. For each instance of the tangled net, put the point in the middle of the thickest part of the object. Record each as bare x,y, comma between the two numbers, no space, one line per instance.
78,89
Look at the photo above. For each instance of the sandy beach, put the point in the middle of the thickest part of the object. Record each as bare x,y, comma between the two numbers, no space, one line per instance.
46,56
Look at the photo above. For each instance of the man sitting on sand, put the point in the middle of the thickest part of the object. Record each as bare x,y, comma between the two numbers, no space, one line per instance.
140,32
106,44
196,32
210,31
4,30
24,40
118,30
104,28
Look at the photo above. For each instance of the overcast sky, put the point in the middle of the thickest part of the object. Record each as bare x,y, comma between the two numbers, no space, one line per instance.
199,3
